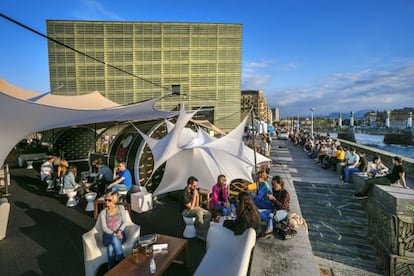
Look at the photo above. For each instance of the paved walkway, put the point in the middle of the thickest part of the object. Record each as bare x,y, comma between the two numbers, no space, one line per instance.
338,228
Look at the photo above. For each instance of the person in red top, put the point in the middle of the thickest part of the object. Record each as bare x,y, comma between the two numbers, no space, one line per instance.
219,197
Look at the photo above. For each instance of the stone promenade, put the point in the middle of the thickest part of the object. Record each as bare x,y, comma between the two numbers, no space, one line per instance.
338,241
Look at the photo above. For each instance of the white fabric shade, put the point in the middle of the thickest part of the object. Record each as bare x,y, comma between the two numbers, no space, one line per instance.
19,118
17,92
189,153
92,101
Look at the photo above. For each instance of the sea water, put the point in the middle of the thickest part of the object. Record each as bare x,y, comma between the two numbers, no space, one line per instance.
377,141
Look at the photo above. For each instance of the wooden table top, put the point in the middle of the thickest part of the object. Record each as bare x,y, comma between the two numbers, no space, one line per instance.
140,264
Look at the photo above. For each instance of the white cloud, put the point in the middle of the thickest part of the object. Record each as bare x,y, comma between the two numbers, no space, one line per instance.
386,88
94,10
255,74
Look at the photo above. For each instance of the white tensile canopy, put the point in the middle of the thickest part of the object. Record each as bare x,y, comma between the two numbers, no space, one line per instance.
20,118
189,153
17,92
93,100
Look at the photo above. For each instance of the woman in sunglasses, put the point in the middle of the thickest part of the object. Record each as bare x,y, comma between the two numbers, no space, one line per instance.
113,219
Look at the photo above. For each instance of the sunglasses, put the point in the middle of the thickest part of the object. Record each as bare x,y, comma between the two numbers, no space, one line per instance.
108,200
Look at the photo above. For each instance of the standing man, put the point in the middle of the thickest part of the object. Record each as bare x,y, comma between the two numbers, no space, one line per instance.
47,172
190,208
122,179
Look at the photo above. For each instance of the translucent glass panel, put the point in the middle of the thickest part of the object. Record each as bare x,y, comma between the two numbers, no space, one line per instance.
204,59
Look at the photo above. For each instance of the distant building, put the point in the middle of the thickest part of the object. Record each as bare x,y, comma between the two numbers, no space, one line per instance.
276,114
398,118
369,119
199,60
256,99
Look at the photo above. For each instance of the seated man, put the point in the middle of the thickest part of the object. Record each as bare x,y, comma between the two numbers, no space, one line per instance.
103,177
122,179
190,208
357,163
351,161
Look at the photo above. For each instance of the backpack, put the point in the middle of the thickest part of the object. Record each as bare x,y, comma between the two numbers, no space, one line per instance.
284,229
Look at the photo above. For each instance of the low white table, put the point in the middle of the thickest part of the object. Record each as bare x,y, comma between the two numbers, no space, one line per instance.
141,202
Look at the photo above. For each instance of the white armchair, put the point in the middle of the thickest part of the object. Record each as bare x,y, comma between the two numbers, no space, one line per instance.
94,252
4,216
231,251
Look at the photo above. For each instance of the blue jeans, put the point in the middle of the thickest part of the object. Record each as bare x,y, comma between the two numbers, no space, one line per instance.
281,215
225,211
267,215
118,188
114,248
348,172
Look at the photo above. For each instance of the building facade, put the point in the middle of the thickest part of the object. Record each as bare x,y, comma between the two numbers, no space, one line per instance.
257,100
276,114
397,118
134,61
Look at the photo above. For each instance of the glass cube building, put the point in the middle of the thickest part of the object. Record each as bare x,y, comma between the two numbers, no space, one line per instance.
134,61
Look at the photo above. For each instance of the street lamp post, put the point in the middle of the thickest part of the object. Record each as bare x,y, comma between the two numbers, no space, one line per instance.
298,126
312,110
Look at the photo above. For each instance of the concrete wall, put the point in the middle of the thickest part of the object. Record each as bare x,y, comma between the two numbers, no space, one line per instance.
390,212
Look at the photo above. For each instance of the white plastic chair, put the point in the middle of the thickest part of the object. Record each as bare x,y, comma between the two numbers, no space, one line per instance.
94,252
4,216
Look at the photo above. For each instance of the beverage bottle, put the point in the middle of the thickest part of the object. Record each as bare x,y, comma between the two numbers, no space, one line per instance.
153,266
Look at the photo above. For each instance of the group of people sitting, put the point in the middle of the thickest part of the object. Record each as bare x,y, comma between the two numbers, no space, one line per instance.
67,177
250,208
329,153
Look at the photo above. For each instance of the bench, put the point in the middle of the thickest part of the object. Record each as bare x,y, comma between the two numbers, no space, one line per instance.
227,253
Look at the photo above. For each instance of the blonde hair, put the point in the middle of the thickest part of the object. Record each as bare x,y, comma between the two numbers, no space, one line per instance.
114,196
262,174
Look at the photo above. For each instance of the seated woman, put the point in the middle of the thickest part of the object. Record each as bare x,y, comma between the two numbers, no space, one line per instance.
113,219
219,197
70,183
280,199
376,167
247,216
260,197
263,202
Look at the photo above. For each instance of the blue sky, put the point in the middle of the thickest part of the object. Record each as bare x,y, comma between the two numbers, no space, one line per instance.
333,55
